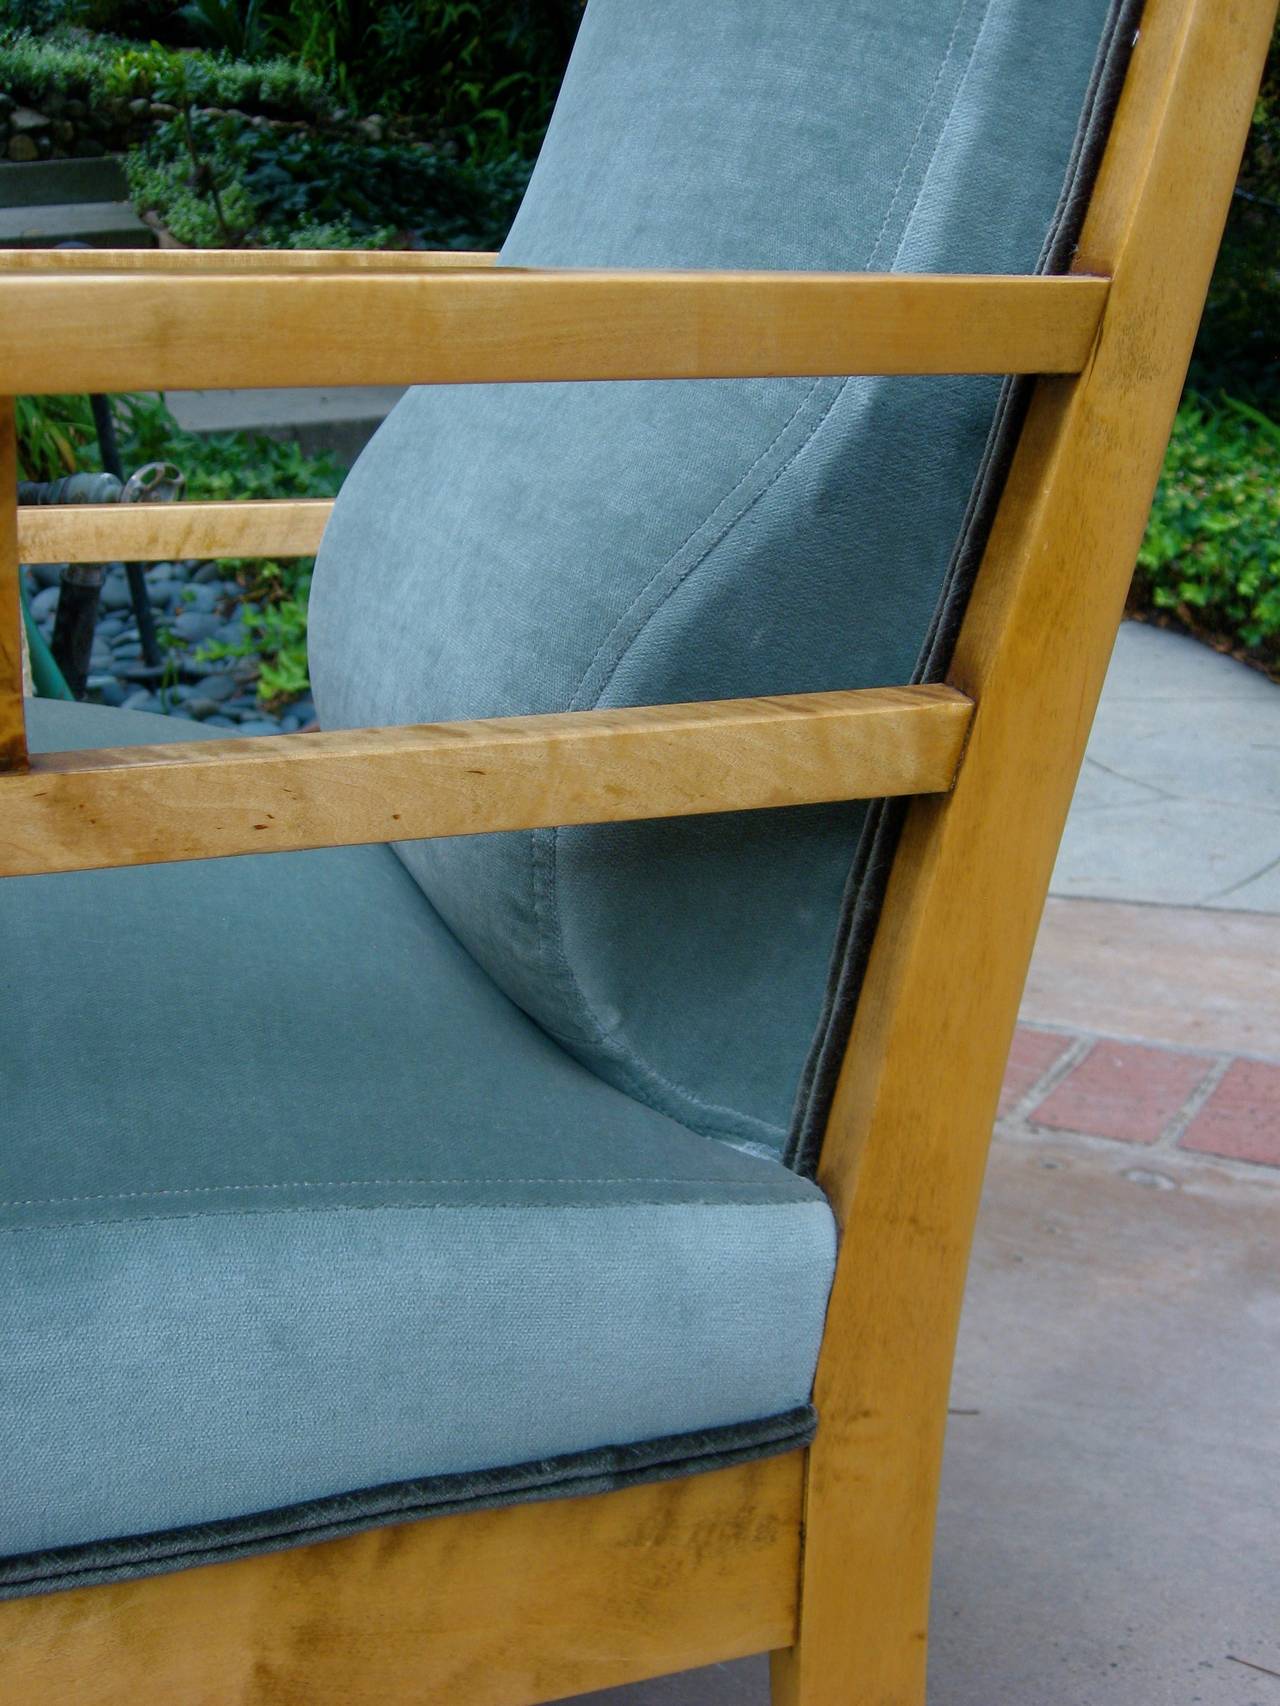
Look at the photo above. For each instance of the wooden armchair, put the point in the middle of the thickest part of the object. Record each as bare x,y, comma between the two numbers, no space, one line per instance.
820,1554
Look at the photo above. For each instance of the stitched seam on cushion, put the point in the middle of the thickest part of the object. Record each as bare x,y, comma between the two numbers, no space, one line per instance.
640,1072
622,1057
544,842
621,624
911,151
361,1184
383,1207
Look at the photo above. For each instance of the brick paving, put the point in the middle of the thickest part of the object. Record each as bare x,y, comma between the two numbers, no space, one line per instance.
1241,1119
1126,1091
1141,1093
1033,1055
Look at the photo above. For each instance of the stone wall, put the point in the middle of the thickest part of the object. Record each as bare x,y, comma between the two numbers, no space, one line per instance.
64,128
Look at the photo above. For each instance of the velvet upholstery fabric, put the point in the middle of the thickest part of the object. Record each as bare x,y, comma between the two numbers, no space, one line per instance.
295,1202
507,549
306,1226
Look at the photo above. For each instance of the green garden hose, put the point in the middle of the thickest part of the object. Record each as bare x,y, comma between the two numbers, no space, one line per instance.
47,677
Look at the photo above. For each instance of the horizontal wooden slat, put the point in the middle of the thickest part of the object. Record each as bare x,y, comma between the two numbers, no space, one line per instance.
161,261
157,533
148,804
530,1602
122,331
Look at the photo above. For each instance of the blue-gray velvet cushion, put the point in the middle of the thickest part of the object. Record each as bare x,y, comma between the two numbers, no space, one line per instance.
295,1202
508,549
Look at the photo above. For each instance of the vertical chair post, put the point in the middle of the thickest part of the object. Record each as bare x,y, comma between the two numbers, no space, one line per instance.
908,1134
13,733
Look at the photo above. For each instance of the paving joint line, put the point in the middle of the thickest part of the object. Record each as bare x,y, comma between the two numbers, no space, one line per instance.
1052,1076
1018,1124
1172,1135
1186,1162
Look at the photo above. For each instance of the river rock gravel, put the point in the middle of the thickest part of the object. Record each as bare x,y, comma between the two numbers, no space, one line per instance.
194,610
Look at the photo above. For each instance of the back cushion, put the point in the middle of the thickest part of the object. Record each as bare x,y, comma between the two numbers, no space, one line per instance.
521,548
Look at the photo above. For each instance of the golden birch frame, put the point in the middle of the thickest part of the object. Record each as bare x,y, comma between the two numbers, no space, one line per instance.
823,1556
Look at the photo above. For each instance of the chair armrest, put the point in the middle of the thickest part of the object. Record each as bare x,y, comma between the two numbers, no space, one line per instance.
157,329
152,804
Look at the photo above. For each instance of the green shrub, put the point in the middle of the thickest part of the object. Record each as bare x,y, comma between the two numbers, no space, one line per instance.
138,18
242,30
483,77
1210,562
220,465
187,209
485,72
37,14
56,436
32,67
276,636
280,187
458,96
104,68
236,465
269,88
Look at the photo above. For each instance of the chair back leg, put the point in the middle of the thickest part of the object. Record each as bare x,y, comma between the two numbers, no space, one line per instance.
908,1135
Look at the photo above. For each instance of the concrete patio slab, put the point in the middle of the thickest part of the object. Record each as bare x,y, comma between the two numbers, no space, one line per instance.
337,418
1110,1523
1123,970
1179,798
60,183
102,224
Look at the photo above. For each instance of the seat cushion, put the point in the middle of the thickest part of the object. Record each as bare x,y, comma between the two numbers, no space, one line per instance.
295,1202
518,548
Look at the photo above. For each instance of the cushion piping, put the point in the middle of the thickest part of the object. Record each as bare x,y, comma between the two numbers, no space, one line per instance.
576,1474
873,858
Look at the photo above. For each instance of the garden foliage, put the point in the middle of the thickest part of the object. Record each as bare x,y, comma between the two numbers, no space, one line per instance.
56,436
1238,349
414,123
1210,562
223,467
107,70
306,123
304,189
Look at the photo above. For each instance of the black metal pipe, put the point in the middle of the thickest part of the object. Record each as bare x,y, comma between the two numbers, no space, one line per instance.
75,621
109,449
105,427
